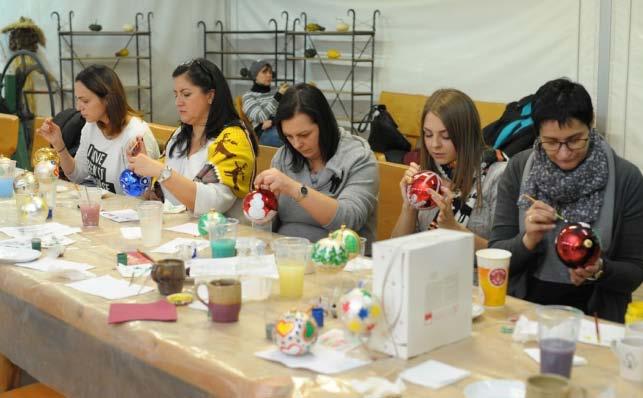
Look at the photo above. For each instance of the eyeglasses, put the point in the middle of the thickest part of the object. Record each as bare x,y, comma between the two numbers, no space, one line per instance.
200,65
572,145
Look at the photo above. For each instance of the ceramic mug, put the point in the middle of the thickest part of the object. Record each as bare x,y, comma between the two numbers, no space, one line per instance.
224,299
629,351
552,386
169,275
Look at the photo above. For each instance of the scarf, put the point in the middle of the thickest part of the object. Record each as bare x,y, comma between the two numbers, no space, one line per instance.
576,194
260,88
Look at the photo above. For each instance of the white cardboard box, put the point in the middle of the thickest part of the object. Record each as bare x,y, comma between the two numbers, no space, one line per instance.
425,282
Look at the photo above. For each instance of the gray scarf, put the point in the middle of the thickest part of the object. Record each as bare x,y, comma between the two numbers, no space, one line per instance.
576,194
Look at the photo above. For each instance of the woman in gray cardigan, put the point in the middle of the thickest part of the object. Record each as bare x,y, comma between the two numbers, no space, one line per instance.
324,178
572,170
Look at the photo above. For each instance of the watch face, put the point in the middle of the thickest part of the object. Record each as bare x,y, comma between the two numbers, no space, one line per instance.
304,190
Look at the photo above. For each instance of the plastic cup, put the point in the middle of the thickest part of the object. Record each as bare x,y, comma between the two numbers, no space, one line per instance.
558,328
89,203
292,255
493,275
223,238
7,174
150,214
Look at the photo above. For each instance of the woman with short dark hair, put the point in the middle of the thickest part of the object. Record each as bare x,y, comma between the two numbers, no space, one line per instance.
110,126
324,177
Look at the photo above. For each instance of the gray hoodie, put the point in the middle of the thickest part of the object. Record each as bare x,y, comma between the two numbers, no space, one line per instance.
352,172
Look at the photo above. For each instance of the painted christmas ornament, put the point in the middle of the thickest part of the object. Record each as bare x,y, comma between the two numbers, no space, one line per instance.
212,216
577,245
132,184
260,206
32,209
25,183
45,153
418,193
359,311
329,254
295,333
45,170
350,240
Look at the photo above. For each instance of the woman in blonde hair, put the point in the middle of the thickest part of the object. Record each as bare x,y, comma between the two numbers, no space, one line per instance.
453,147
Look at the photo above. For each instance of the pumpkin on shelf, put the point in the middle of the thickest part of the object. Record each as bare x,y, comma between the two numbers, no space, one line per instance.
329,254
350,240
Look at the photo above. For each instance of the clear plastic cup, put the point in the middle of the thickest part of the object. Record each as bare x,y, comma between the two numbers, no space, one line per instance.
150,214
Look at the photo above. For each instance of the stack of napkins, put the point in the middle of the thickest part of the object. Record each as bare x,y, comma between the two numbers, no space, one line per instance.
434,374
320,360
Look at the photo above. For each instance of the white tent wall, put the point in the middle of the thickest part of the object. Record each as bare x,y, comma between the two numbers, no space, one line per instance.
175,38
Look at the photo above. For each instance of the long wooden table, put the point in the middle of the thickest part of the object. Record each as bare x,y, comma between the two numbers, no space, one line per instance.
62,338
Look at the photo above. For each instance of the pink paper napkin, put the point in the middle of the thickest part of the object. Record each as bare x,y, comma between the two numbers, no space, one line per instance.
158,311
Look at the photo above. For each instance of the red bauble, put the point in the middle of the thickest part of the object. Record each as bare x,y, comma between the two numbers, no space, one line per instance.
260,206
577,245
418,193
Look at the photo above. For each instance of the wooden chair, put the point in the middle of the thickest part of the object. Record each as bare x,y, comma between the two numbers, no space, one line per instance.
238,105
162,133
38,142
389,200
265,157
9,130
489,111
36,390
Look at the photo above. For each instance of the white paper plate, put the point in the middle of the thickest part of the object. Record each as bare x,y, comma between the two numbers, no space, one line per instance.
476,310
76,194
17,255
495,389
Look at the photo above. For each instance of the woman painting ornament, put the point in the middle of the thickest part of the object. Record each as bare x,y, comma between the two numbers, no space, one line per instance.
324,177
453,147
210,159
573,172
111,124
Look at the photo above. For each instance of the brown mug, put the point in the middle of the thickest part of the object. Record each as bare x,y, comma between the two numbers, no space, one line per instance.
169,275
224,299
552,386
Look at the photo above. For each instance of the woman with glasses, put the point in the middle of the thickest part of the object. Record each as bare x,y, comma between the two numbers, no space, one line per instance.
453,147
324,177
110,125
571,171
209,161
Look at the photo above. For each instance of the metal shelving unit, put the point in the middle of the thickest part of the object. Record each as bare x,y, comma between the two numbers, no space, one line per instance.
142,58
362,54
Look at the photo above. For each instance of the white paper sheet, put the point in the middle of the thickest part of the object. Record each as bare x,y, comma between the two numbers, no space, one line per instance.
131,232
124,215
359,263
46,241
434,374
169,208
136,270
534,353
189,228
108,287
40,230
235,266
608,333
47,264
320,361
173,245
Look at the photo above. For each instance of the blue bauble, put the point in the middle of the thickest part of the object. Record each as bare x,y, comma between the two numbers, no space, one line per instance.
133,184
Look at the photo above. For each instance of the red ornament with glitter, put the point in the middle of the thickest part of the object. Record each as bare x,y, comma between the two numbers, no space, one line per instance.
577,245
418,193
260,206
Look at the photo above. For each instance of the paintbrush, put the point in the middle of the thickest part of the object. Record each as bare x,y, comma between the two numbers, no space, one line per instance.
558,216
598,330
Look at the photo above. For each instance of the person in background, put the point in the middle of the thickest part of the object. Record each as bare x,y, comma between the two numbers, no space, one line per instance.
260,103
110,125
453,147
573,171
323,177
210,159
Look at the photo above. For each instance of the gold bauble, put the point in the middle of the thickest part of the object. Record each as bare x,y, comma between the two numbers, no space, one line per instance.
25,183
33,210
45,153
45,170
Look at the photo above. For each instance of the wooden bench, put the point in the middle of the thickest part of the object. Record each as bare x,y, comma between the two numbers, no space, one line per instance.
406,110
9,130
35,390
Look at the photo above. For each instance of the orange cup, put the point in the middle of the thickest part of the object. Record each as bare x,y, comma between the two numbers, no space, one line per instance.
493,276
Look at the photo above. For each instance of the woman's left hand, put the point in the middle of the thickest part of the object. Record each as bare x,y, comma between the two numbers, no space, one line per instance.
277,182
580,274
143,165
446,218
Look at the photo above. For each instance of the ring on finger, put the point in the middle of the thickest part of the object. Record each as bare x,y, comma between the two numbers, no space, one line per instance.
530,219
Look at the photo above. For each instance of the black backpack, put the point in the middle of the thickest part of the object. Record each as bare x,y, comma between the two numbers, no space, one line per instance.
71,123
385,136
514,131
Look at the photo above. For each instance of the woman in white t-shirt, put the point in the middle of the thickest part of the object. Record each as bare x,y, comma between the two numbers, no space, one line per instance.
110,125
210,159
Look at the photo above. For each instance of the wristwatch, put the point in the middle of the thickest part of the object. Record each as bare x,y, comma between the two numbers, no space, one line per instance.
166,173
303,192
599,273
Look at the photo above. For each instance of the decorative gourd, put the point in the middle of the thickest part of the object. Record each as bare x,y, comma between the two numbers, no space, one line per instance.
260,206
206,219
95,27
577,245
329,255
310,52
333,54
25,183
342,26
417,192
295,333
128,27
350,240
